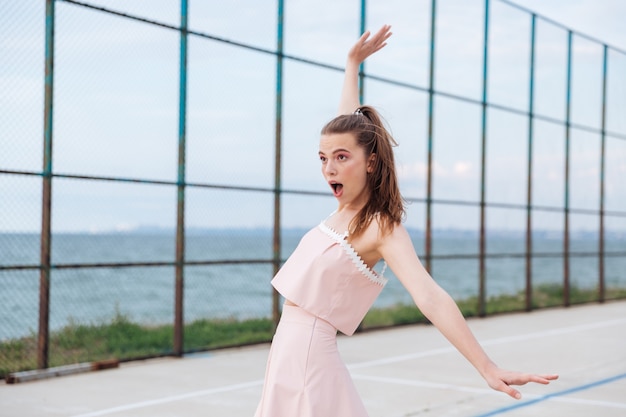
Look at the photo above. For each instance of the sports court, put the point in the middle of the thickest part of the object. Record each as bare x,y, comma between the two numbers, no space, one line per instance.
402,371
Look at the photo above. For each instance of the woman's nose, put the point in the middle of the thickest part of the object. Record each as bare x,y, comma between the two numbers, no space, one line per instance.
329,168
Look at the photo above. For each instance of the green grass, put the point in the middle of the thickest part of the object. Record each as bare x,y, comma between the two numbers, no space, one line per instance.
123,339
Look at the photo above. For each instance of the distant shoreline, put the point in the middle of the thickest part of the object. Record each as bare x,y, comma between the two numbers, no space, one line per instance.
293,231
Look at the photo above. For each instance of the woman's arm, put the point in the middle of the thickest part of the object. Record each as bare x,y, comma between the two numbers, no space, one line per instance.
364,47
437,305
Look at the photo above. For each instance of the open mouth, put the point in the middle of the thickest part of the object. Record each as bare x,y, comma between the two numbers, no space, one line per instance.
337,188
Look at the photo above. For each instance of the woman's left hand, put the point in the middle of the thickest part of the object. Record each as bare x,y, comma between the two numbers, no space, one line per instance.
501,380
369,44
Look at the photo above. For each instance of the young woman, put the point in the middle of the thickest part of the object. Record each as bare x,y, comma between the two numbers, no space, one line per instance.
328,282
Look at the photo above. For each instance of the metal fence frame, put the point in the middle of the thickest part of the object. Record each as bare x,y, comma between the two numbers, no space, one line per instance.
47,174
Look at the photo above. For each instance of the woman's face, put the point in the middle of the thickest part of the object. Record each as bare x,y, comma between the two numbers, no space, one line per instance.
345,167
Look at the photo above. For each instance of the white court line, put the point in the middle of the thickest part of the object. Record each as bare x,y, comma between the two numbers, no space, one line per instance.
423,384
172,398
484,391
360,365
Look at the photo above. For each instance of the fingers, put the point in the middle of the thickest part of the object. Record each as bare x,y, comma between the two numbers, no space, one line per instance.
542,379
364,37
379,37
513,392
504,381
539,379
368,44
507,389
382,35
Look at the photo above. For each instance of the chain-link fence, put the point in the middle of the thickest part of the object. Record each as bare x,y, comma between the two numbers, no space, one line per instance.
178,142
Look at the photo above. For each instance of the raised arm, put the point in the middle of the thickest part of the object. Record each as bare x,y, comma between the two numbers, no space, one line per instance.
364,47
442,311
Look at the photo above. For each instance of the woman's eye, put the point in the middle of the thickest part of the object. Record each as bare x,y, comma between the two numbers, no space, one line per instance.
322,159
342,157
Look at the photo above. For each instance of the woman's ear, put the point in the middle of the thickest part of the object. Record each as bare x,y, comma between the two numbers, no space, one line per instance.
370,163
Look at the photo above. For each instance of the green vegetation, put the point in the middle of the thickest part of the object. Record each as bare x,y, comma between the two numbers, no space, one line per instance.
122,339
543,296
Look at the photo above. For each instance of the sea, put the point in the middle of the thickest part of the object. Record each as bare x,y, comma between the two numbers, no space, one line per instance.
97,295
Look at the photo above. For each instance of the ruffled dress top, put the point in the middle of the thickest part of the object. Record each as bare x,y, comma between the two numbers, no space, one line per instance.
327,278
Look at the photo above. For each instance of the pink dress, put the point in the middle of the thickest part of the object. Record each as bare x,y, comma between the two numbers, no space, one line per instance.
333,290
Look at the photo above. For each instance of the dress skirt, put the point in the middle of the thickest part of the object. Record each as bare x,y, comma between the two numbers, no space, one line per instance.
305,375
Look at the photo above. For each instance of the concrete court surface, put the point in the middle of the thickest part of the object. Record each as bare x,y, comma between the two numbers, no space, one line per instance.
404,371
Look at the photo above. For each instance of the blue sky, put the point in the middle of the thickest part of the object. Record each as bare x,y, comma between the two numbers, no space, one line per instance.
116,104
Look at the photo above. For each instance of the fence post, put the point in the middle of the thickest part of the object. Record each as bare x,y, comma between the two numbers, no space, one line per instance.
362,66
179,323
429,173
529,179
46,209
483,171
566,281
277,155
601,283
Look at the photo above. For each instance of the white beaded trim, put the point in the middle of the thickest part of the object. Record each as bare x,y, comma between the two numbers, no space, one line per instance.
356,259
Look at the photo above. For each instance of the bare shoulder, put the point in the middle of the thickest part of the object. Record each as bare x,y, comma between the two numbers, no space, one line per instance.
379,235
398,231
394,240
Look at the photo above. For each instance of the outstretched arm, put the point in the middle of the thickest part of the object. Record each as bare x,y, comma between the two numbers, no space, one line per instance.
364,47
442,311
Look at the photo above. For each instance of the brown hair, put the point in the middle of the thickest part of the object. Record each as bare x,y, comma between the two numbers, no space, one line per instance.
385,200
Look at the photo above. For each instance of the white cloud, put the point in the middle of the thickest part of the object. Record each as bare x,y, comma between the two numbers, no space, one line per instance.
462,169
